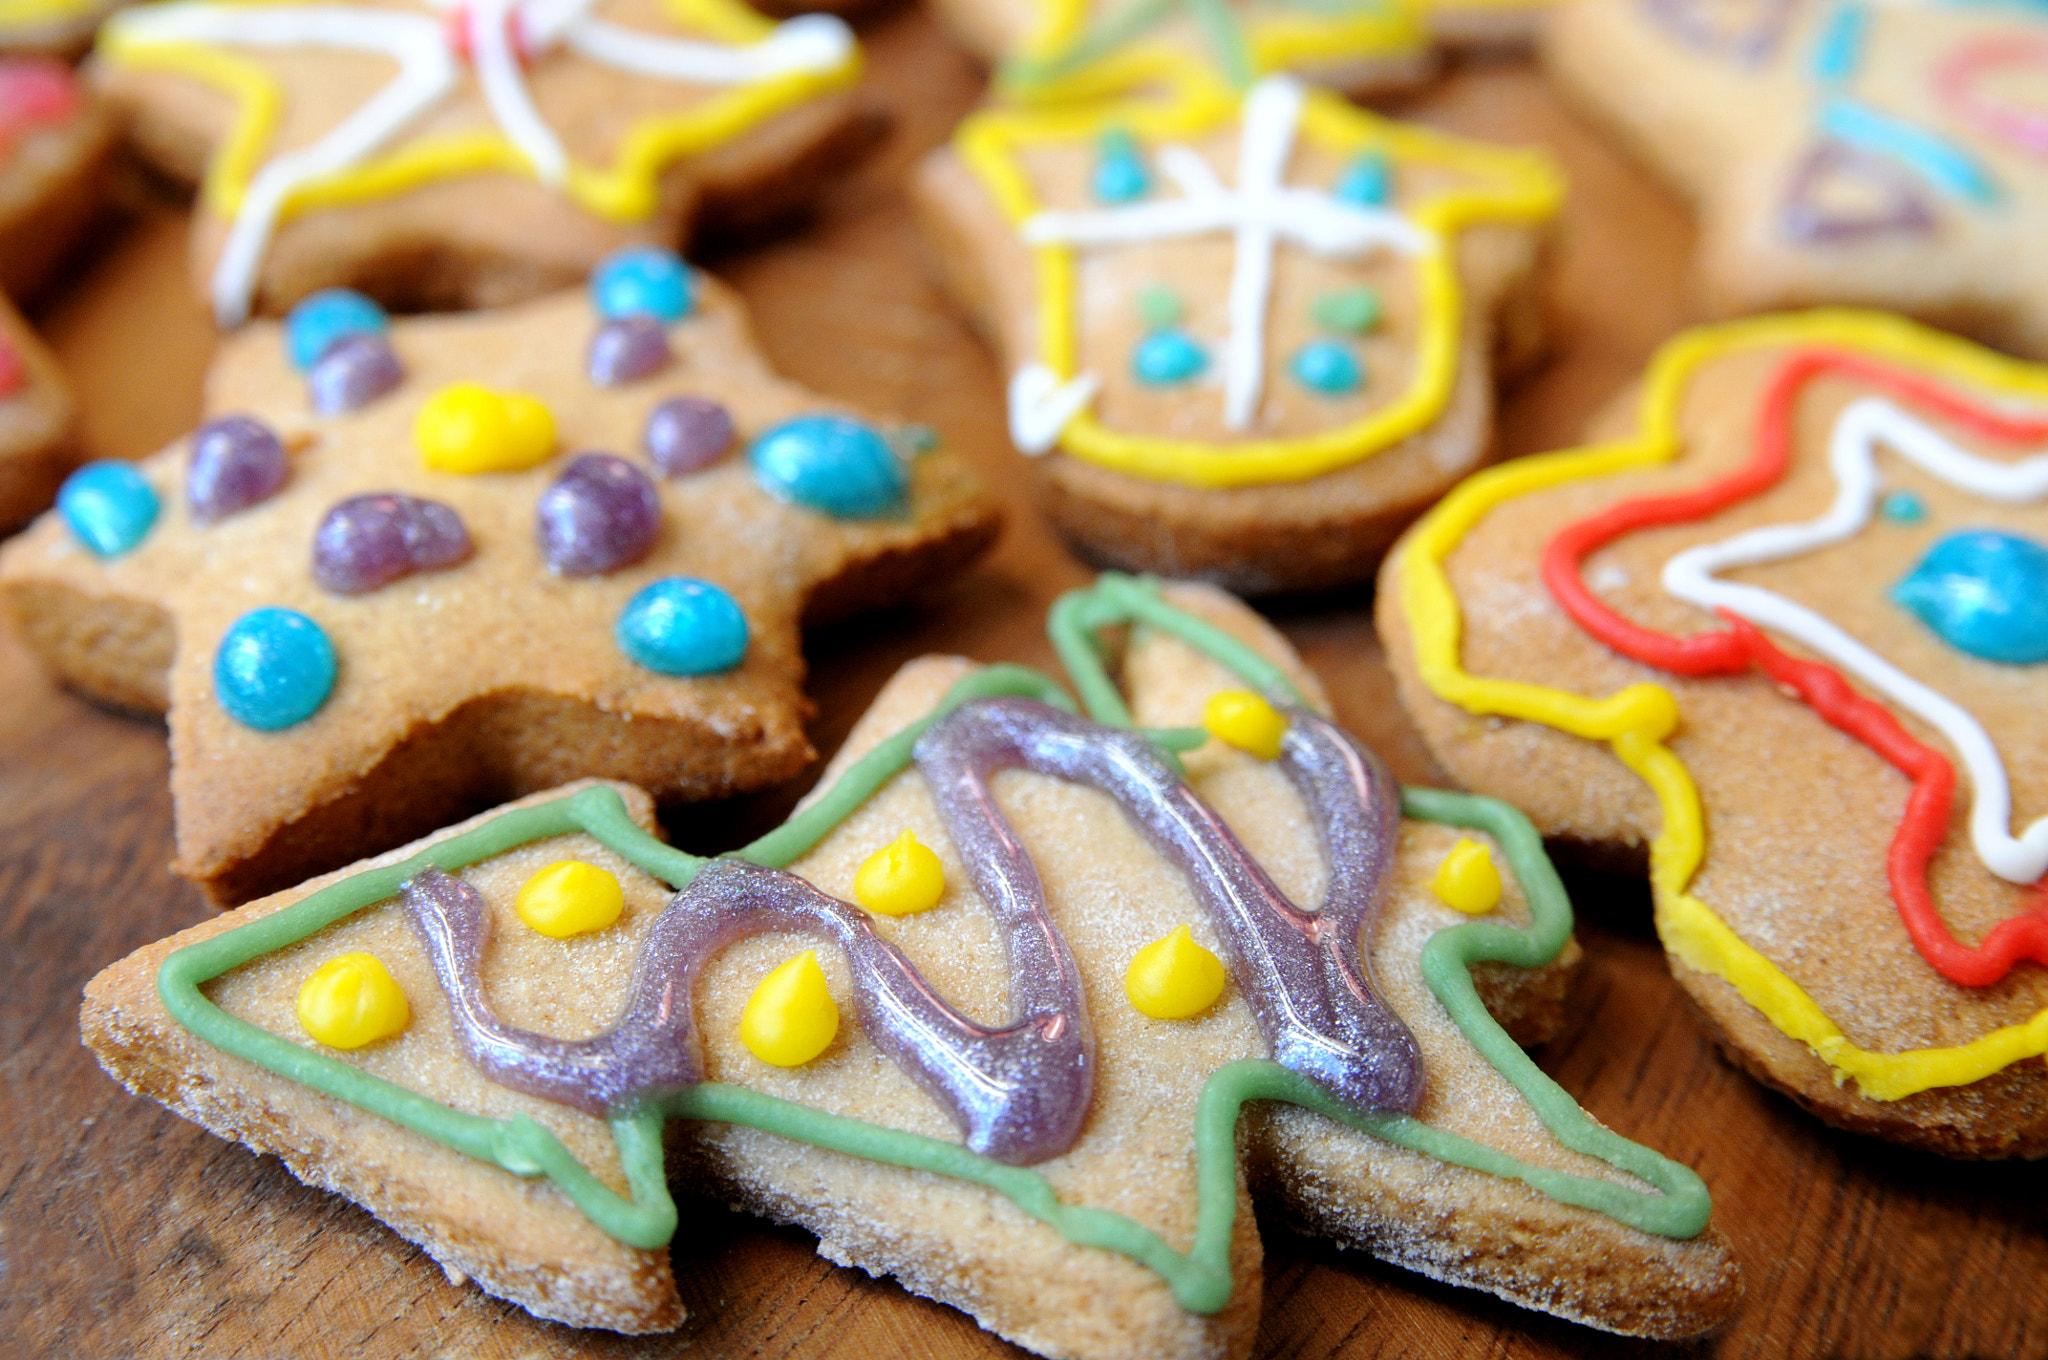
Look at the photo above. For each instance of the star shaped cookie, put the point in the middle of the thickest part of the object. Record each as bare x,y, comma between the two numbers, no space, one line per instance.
1023,1098
1250,337
443,154
485,626
1788,633
1878,155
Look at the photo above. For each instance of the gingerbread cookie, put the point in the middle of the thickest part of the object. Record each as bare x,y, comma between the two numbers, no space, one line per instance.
468,155
1880,155
35,422
374,594
1248,339
1011,1076
55,143
56,28
1787,636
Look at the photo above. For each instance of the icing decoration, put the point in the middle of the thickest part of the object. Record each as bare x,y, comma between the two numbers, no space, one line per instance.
570,898
1936,159
1808,216
628,349
601,514
1903,507
764,70
323,318
1353,311
1240,718
1467,881
833,464
915,439
643,281
468,428
1120,174
13,373
1200,1279
1368,181
35,92
790,1018
1635,722
1839,50
902,878
352,1001
1160,306
108,507
274,668
366,542
1326,367
1050,399
1704,25
1985,592
237,462
1174,978
687,434
1958,79
1166,358
355,371
680,626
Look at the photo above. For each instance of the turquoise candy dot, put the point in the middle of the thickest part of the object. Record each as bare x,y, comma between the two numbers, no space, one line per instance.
681,626
1367,182
327,316
1327,367
1167,357
1903,507
1985,592
107,506
274,668
1120,173
643,281
830,463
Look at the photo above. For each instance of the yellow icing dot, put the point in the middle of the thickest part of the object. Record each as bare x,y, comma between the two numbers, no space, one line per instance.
466,427
1467,880
570,898
350,1001
1174,978
1246,721
901,878
790,1018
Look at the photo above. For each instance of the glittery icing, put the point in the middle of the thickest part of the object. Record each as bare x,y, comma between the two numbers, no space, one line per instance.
601,514
237,462
366,542
628,349
353,372
687,434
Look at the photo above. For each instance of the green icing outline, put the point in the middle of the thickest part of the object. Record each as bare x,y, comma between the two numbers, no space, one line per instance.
1201,1279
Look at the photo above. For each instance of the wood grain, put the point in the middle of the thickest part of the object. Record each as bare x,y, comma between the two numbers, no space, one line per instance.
126,1232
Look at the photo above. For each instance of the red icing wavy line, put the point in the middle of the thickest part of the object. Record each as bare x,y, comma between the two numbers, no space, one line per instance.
1742,646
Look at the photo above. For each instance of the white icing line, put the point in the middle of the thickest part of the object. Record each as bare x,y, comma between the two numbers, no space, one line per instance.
1262,212
809,42
1852,447
1041,406
504,87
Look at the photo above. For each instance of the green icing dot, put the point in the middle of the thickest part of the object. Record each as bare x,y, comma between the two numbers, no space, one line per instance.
1160,307
1353,311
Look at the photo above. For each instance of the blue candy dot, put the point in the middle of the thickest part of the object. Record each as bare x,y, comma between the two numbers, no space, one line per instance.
1985,592
1903,507
1120,173
680,626
327,316
1327,367
643,281
1367,182
107,506
274,668
830,463
1166,357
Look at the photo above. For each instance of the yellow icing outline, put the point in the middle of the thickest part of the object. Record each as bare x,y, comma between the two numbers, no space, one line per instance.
1529,189
1277,41
1636,721
626,193
20,14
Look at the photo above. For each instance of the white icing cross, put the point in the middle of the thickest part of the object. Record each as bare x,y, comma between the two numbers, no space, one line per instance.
1261,212
1852,450
429,70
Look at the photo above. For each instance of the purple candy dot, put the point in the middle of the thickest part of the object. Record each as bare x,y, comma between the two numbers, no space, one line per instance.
370,541
601,514
629,348
688,434
236,462
353,372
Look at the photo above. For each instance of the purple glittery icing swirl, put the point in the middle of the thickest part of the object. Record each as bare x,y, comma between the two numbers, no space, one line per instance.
369,541
353,372
628,349
1019,1092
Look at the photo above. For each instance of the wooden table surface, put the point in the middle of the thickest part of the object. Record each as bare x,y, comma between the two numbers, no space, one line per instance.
127,1232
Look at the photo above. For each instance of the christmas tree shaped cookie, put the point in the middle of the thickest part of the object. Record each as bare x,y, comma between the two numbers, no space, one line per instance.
408,568
983,1015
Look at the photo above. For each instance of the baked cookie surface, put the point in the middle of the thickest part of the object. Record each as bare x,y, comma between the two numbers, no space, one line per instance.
990,1116
55,144
490,628
1868,154
35,422
1784,634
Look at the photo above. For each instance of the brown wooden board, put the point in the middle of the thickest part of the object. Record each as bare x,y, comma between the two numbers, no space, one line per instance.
127,1232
